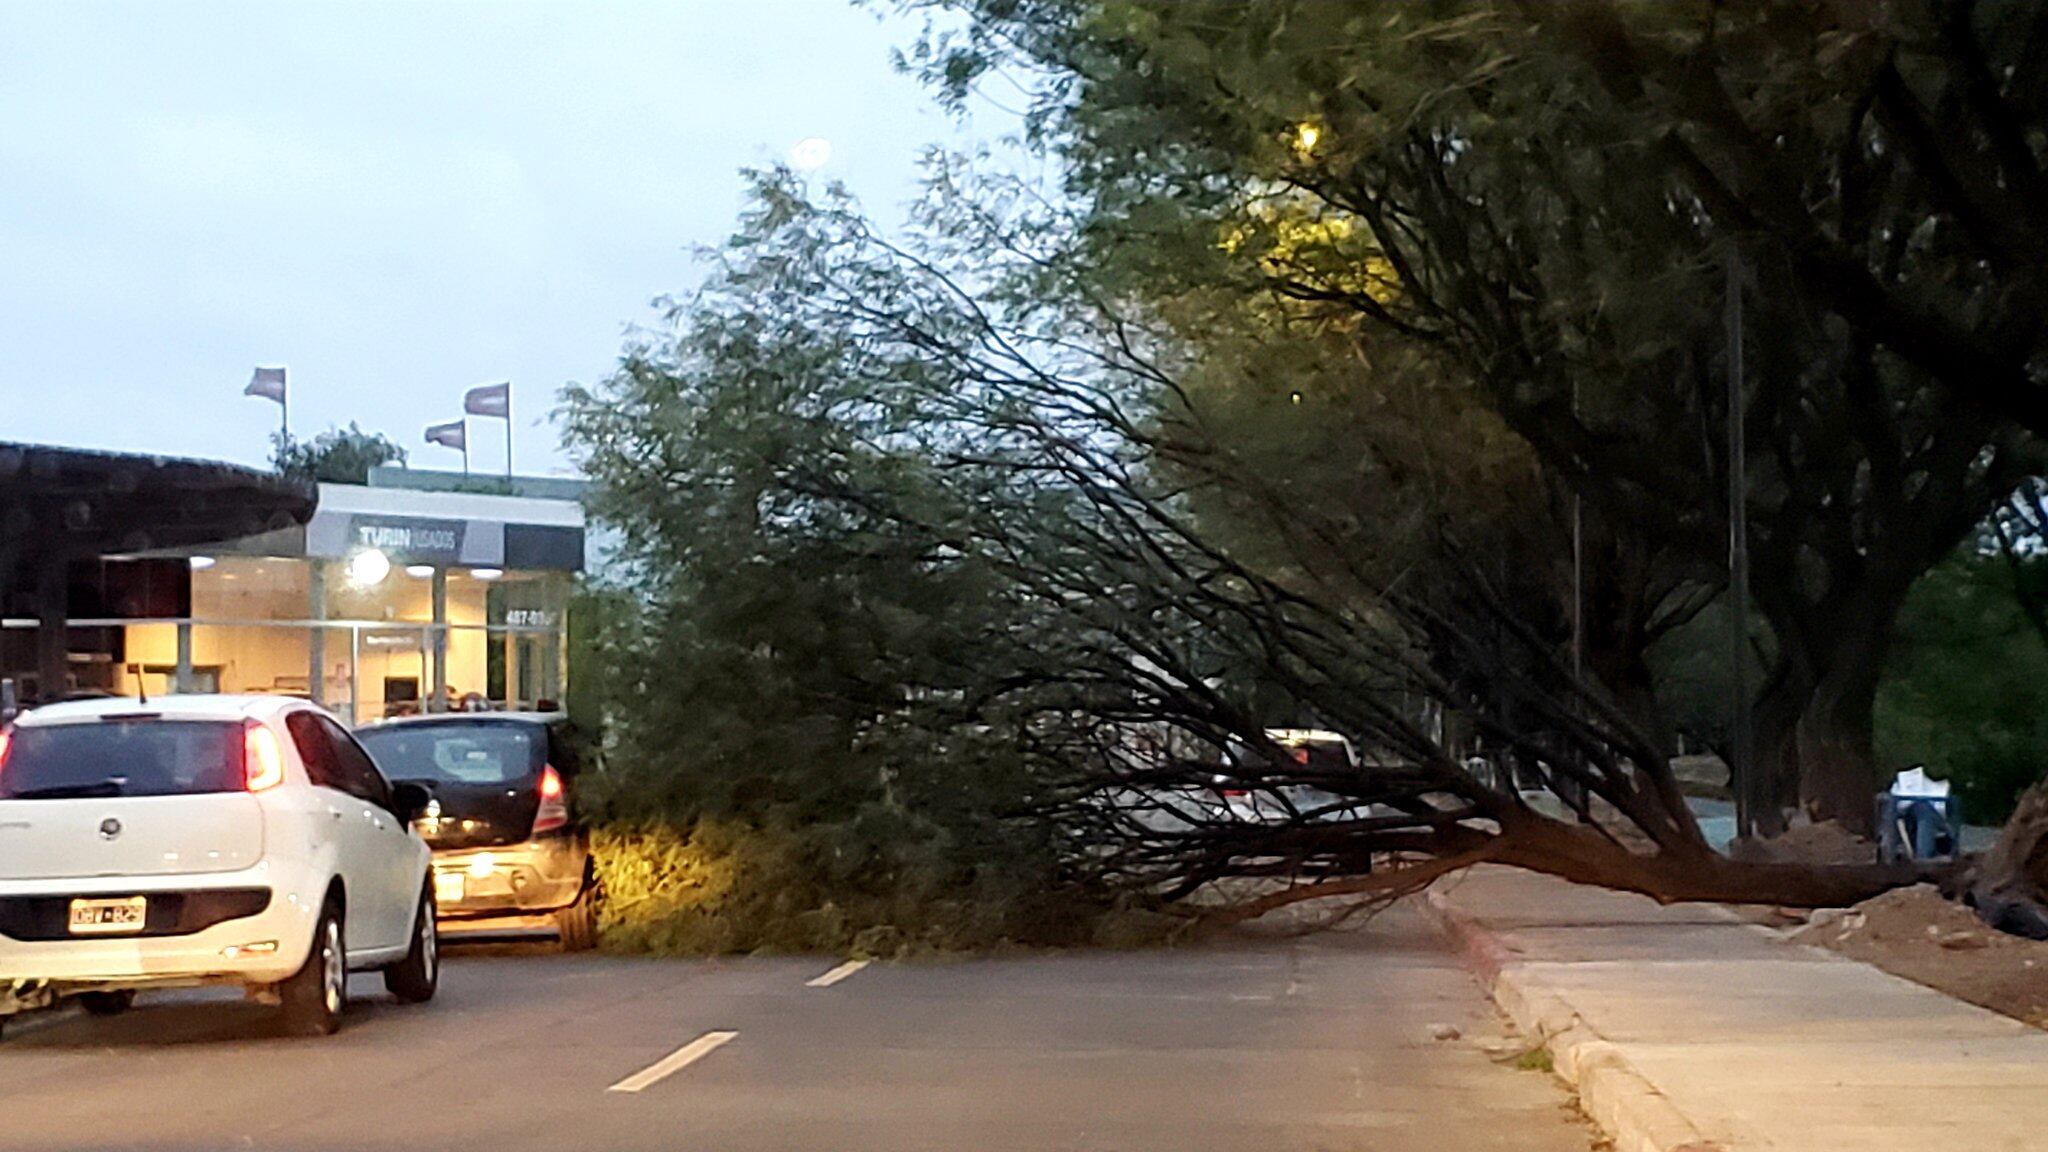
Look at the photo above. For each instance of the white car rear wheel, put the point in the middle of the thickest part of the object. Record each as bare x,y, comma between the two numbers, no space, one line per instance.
316,995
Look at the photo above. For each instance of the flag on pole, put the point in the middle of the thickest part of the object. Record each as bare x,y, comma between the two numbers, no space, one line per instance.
489,400
267,383
454,434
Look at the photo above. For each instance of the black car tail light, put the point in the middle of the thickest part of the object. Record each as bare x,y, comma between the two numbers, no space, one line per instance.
554,805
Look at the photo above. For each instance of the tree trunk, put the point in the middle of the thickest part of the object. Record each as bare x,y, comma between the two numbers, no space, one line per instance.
1774,747
1628,679
1583,855
1815,719
1837,757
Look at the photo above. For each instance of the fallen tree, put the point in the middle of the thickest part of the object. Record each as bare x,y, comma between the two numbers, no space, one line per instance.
961,404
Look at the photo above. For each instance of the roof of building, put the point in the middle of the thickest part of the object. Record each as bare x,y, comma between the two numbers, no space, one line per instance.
430,480
72,502
450,505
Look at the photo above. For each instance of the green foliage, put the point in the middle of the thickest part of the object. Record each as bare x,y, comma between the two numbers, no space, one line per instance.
595,613
336,456
1966,688
918,627
789,646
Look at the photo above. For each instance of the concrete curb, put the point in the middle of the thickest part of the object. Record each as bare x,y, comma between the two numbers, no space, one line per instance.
1622,1101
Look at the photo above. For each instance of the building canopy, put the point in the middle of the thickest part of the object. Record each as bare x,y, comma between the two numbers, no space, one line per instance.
63,504
76,503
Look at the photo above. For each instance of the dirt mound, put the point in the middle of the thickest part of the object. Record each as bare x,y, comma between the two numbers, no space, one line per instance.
1823,843
1915,933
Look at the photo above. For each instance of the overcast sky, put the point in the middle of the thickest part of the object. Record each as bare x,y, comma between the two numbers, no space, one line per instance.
396,200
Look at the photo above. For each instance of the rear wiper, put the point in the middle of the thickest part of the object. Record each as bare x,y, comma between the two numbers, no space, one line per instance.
68,791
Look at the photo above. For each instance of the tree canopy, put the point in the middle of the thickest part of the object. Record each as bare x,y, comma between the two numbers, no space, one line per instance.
1555,204
336,456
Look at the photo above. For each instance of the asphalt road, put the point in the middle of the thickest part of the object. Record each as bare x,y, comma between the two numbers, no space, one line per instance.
1270,1045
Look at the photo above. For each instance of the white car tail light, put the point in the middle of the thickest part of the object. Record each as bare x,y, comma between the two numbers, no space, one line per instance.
262,759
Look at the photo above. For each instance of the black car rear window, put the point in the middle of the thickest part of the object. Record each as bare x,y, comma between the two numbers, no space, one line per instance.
140,757
456,753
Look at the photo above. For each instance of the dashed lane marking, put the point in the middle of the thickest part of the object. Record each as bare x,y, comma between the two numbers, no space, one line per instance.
674,1062
836,975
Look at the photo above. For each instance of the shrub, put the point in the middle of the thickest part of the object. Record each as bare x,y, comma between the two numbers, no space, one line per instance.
723,887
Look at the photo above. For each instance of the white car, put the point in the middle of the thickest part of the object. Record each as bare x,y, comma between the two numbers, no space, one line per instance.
195,840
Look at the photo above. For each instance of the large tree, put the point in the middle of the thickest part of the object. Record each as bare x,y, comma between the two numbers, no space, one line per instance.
1557,202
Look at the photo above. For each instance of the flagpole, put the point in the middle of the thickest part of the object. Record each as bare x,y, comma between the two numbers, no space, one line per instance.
508,433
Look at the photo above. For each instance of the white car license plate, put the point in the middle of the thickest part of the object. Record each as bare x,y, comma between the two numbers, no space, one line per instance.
108,917
447,887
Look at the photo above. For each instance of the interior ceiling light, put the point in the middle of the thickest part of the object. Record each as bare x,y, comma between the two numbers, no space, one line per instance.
368,567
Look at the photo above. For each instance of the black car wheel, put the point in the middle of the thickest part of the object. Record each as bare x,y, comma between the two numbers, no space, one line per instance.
315,996
414,979
106,1003
577,924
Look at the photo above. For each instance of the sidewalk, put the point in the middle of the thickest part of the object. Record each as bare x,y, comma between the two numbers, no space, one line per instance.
1684,1028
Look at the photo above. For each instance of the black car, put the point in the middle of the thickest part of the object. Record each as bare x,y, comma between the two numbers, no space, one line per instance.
508,849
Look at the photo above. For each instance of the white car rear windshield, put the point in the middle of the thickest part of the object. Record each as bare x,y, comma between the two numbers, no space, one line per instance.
482,753
122,757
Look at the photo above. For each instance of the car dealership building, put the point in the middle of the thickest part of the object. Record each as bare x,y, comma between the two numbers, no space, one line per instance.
419,591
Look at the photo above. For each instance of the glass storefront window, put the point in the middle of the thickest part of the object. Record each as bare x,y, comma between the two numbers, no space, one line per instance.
527,611
375,605
366,649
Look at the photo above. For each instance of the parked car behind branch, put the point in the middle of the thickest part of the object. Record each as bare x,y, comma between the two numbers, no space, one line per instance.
1315,757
